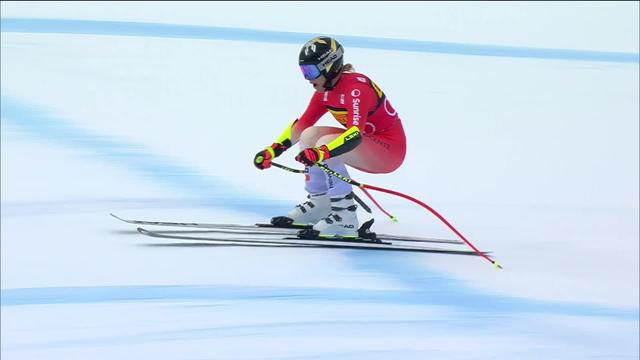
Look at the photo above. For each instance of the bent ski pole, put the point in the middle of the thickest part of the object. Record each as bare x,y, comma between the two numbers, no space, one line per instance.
350,181
363,187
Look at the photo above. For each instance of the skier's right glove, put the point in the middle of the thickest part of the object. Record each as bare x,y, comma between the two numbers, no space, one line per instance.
263,158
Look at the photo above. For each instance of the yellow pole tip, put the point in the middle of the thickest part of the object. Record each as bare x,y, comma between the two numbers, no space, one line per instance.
497,265
393,218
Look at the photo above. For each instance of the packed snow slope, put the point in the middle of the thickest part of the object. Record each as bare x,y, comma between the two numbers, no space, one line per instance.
522,126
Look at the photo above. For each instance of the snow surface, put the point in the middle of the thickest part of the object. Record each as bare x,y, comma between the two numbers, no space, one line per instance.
534,158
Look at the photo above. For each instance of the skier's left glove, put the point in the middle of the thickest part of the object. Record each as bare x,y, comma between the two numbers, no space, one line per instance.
312,156
263,158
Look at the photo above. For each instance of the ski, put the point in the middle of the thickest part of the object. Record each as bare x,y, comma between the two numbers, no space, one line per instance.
269,229
363,244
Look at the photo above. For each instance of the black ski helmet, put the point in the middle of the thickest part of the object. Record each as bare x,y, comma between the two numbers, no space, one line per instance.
321,55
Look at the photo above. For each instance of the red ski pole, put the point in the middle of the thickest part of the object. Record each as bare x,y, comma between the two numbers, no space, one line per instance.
363,187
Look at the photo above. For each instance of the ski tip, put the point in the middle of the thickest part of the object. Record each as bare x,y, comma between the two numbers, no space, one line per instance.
496,265
143,231
394,219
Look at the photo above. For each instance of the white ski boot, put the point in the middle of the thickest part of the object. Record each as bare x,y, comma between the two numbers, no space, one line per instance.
343,220
306,214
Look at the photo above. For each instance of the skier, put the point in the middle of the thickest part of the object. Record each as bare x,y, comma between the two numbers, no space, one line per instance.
373,142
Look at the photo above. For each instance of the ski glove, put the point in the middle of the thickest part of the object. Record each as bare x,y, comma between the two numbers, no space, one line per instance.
263,158
311,156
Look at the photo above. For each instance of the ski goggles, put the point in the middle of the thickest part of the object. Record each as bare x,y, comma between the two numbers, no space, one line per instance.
310,72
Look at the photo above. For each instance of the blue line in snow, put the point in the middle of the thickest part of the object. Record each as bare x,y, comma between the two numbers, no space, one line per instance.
121,28
440,292
205,190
